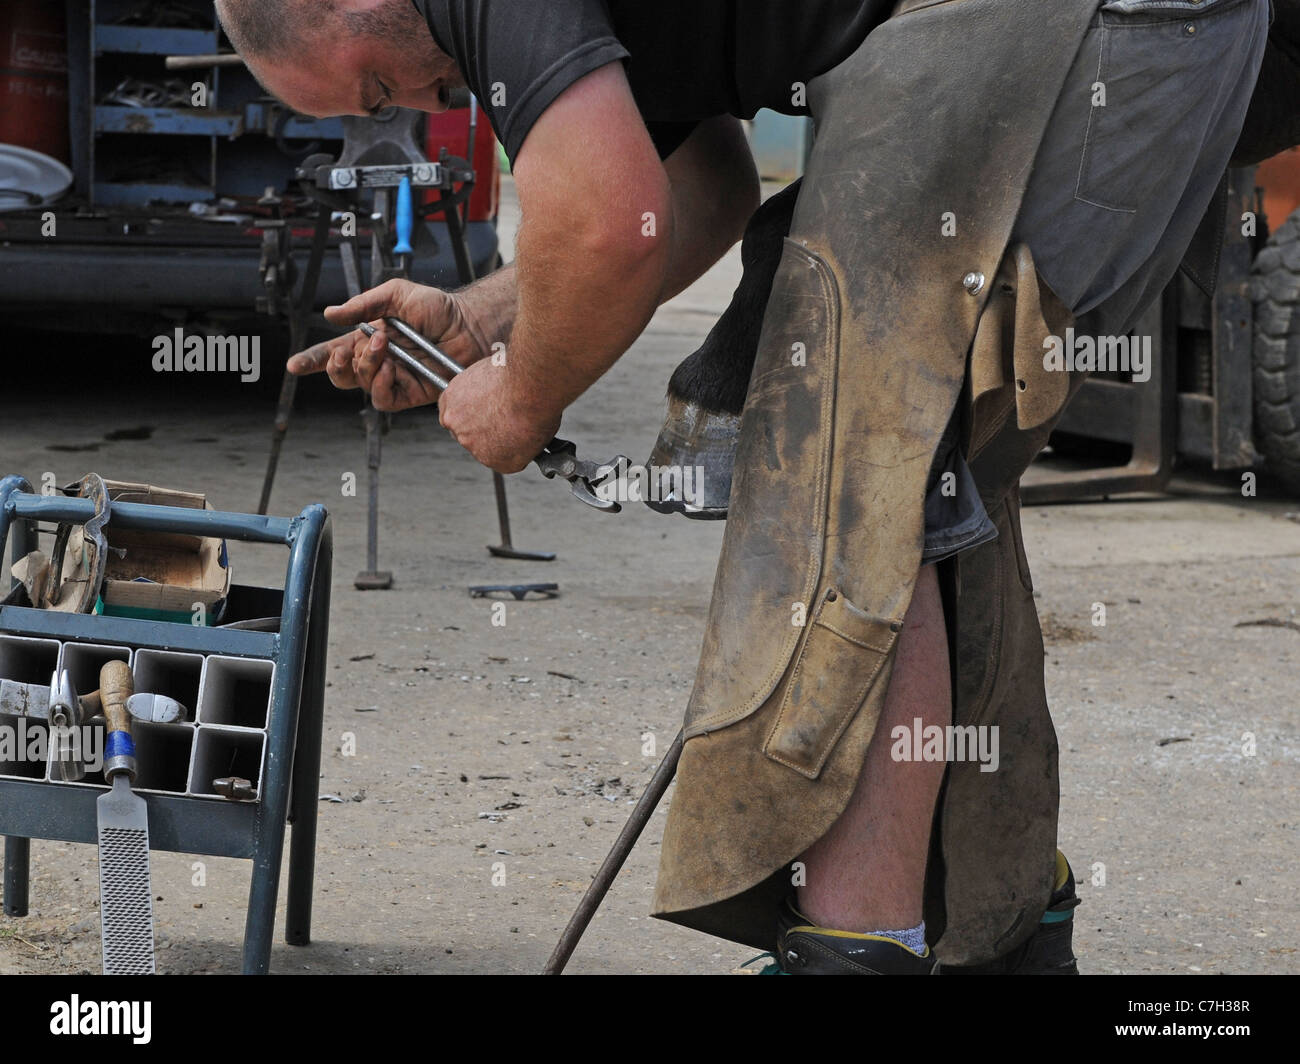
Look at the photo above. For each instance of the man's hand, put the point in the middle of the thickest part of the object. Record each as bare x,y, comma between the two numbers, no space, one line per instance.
500,428
357,361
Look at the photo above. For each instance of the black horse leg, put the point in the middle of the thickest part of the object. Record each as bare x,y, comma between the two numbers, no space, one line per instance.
706,393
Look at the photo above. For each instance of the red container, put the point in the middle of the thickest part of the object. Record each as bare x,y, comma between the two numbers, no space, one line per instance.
1279,177
34,77
450,130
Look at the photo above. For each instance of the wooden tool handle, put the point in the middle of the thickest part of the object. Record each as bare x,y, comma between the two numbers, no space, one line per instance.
116,685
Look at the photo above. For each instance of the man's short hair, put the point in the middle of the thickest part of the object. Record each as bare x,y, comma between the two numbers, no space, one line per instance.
274,28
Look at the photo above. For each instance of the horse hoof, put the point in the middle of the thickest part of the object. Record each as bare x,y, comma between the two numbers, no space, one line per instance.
692,462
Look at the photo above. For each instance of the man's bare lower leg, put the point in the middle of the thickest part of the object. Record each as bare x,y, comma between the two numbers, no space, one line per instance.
868,872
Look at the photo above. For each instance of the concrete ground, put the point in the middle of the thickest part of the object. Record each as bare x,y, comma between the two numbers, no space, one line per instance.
494,765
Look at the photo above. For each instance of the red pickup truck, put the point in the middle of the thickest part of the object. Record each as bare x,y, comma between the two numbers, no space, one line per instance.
163,213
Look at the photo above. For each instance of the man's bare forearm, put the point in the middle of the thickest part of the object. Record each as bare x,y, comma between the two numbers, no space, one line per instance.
714,192
600,248
582,307
489,307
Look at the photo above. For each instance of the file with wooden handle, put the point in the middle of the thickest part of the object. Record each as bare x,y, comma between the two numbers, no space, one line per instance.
125,889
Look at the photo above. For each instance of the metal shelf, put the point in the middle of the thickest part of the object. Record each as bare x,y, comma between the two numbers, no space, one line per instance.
151,40
174,121
142,193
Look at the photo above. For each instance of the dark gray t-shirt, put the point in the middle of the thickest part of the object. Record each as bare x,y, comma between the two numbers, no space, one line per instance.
686,60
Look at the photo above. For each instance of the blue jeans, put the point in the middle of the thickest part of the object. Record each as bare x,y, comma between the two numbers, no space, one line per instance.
1137,145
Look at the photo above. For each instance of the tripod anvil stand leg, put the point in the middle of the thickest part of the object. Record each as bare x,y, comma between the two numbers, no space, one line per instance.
382,269
299,312
506,549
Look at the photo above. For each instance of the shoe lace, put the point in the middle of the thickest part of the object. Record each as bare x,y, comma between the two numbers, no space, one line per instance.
771,968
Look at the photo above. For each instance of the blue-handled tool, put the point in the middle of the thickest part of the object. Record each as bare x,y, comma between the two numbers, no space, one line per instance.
405,221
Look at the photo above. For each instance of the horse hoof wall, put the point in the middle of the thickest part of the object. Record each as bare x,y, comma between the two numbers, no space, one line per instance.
692,462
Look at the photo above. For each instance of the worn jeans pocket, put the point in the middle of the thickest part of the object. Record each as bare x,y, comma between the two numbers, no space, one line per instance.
1161,68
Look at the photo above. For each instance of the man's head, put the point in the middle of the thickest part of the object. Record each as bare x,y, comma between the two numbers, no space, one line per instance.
336,57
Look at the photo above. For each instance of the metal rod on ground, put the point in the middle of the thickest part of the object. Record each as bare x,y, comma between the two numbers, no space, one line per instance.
17,862
18,851
609,870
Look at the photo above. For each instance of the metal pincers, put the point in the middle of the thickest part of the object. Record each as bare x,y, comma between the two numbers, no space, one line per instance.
586,479
559,458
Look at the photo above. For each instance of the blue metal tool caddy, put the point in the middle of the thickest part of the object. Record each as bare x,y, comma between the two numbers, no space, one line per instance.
231,670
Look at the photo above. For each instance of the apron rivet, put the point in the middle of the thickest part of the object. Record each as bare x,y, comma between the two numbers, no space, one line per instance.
973,282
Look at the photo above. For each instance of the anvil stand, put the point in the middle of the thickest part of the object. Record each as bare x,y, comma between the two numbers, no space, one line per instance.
378,154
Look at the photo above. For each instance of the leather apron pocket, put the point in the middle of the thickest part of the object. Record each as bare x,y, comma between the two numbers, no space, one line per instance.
843,653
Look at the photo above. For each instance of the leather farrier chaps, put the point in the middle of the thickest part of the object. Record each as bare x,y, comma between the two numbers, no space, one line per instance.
896,299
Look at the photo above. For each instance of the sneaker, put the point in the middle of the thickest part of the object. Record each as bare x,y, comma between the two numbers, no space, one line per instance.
1049,950
802,948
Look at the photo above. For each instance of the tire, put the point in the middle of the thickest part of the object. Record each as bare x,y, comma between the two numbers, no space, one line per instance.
1275,289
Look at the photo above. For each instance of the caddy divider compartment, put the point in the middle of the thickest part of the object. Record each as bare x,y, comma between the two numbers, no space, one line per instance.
224,752
177,676
83,662
28,661
236,692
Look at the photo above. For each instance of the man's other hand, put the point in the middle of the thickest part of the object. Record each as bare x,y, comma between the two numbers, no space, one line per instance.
357,361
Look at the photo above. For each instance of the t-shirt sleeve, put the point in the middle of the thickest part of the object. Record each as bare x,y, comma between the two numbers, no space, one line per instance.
669,136
518,56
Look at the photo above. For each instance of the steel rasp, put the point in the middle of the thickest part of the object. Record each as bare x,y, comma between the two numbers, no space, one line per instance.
125,894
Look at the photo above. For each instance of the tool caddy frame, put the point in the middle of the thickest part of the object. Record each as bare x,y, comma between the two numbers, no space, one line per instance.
287,790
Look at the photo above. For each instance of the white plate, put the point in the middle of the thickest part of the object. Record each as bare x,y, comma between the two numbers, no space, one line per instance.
24,170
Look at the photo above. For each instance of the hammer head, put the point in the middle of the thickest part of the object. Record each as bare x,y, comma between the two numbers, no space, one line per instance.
235,788
65,707
156,709
24,699
65,716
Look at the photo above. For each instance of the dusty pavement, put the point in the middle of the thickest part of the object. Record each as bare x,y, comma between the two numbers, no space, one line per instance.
494,765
